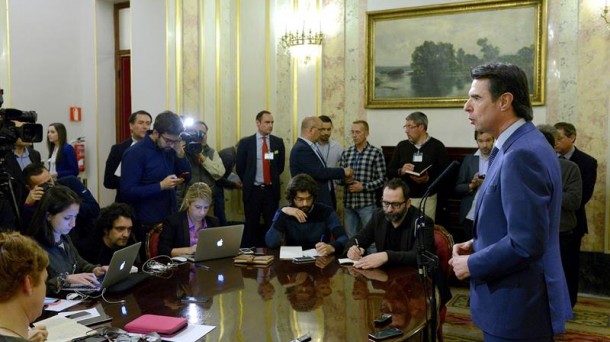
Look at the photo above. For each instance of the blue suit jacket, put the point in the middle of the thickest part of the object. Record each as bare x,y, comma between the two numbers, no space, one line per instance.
518,289
246,164
469,167
304,160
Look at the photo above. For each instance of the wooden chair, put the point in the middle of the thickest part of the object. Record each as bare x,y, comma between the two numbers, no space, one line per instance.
443,241
152,240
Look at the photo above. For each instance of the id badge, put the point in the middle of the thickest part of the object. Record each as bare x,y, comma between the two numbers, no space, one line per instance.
418,157
269,156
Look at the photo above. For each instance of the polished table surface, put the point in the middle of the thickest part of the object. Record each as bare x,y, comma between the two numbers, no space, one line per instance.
281,302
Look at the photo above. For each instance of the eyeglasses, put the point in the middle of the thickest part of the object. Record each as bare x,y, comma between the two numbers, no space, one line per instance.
394,205
170,141
409,126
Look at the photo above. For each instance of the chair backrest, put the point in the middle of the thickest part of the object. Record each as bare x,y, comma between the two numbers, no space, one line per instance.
443,241
152,240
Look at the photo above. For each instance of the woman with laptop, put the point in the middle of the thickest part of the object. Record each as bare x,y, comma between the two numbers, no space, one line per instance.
22,287
53,219
180,230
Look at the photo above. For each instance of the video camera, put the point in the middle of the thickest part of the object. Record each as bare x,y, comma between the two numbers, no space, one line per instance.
30,131
193,139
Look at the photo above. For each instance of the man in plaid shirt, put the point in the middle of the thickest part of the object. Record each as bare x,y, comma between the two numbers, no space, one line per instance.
369,175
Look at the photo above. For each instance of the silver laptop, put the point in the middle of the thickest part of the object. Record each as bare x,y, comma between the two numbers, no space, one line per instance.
217,242
119,269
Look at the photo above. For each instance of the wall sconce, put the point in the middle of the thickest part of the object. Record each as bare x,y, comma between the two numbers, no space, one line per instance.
303,38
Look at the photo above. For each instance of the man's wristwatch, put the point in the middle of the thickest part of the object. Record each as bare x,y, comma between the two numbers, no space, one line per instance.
62,280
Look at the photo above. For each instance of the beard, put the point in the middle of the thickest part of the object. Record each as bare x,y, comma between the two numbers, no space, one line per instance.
395,217
306,208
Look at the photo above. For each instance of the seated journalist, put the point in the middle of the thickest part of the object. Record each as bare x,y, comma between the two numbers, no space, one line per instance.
53,220
22,287
180,230
392,230
113,231
305,223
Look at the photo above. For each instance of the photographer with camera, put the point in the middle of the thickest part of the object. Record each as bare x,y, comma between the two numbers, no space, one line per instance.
206,165
17,129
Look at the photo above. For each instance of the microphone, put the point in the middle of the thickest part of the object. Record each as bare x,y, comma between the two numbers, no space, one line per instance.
443,175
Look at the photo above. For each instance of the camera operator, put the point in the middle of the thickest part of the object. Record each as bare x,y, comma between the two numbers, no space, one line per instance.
17,131
206,165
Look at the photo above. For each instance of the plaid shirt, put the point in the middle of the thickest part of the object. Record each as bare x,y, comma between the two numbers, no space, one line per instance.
369,168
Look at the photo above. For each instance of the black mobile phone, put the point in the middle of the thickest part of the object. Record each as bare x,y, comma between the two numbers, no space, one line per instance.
193,299
78,315
303,259
383,319
183,175
481,176
385,334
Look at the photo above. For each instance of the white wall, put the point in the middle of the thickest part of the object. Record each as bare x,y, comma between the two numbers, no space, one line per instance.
148,56
53,66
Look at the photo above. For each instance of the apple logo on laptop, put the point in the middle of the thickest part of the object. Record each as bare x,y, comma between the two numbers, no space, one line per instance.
122,266
219,243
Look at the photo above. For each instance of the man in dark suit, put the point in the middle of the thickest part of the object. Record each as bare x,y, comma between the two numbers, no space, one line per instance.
306,158
471,175
139,123
564,145
260,162
518,290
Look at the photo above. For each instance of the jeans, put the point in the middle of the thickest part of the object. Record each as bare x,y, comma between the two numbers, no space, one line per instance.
355,219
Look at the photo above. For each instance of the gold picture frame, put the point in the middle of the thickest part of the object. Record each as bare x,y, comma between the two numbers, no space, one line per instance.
421,57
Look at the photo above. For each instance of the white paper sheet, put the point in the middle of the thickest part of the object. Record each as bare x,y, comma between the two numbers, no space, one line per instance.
192,332
62,305
290,252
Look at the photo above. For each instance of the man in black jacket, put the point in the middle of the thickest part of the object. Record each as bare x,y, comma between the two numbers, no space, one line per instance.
564,146
392,230
139,123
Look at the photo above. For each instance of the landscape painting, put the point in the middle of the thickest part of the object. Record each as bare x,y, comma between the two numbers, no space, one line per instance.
422,56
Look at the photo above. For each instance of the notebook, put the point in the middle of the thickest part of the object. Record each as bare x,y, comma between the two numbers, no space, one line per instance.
164,325
118,270
217,243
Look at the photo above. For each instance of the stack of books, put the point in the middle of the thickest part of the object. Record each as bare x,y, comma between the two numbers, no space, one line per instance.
250,259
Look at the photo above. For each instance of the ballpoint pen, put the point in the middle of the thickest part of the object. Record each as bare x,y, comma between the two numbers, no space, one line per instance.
322,238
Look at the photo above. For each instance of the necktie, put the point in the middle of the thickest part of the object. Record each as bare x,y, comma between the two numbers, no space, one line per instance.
492,156
319,153
266,163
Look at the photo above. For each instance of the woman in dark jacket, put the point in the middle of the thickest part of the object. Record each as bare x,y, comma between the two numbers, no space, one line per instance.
53,220
180,230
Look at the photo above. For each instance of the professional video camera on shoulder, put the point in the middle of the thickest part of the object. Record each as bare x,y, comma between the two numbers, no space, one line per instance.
27,129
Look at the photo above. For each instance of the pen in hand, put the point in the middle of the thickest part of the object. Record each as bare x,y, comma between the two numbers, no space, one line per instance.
322,238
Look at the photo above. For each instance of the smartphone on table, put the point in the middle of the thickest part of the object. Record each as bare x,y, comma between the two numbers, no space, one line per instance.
385,334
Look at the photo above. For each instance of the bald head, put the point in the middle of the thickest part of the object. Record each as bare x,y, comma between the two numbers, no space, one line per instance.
310,128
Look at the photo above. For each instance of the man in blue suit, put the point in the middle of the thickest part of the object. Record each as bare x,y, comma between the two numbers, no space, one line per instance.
517,287
259,164
306,158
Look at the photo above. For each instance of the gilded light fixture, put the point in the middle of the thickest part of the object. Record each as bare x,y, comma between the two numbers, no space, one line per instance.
303,37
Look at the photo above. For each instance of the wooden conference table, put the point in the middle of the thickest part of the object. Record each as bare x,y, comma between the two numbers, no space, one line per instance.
279,303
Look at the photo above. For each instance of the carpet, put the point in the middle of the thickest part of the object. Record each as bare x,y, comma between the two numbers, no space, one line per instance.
591,322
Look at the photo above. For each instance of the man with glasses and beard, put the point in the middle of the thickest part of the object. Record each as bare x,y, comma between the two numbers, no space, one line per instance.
392,230
150,171
303,223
